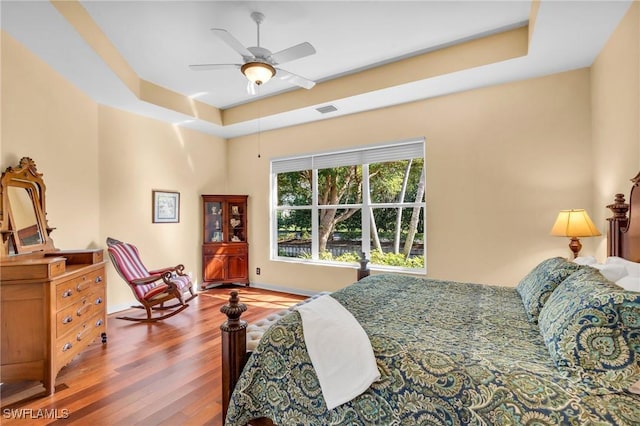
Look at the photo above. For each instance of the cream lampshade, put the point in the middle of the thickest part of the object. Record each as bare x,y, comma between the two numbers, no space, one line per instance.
574,224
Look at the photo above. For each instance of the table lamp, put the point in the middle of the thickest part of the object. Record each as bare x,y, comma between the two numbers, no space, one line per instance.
573,224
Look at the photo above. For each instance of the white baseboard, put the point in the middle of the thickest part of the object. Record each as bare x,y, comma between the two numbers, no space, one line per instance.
117,308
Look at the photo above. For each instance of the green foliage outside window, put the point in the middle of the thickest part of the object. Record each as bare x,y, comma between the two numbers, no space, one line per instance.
377,258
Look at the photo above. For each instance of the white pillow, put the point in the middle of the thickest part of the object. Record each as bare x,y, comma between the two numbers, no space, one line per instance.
629,283
633,268
585,260
611,271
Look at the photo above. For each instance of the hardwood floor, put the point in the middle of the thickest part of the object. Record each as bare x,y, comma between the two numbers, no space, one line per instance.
166,373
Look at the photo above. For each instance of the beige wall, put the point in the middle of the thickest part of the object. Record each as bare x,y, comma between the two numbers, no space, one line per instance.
615,100
46,118
100,166
138,155
501,162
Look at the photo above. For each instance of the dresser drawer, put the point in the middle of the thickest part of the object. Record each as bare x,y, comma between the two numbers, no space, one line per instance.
71,291
87,330
43,268
82,335
66,349
225,249
69,318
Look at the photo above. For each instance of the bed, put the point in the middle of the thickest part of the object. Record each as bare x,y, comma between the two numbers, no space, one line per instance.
566,351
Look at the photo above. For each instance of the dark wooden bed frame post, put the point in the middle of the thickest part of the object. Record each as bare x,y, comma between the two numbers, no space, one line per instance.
624,233
234,347
618,222
363,271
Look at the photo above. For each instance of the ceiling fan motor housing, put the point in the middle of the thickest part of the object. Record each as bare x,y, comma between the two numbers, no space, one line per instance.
258,72
258,69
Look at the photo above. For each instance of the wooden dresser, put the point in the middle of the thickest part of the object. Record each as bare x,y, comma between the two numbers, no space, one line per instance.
52,307
52,302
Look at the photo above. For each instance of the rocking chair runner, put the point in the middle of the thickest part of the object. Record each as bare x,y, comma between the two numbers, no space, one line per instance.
151,288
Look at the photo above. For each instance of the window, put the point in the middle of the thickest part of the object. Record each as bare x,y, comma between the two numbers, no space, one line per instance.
330,207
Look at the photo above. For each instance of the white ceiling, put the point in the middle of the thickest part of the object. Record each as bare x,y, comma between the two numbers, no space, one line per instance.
159,39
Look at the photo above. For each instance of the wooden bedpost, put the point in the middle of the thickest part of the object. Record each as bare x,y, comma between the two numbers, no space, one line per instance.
617,223
363,271
234,347
624,226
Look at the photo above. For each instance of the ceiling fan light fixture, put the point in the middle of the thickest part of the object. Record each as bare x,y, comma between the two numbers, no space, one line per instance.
258,72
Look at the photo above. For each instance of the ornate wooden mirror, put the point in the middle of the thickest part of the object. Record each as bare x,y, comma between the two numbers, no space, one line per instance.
23,222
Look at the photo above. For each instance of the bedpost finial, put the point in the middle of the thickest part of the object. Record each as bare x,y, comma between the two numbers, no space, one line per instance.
619,208
364,269
233,310
363,260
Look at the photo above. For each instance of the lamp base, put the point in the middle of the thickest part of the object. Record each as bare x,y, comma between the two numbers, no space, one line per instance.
575,246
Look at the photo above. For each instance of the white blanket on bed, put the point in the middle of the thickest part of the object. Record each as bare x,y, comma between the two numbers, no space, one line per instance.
339,349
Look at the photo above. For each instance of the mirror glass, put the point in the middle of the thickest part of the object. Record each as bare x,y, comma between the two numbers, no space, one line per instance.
23,214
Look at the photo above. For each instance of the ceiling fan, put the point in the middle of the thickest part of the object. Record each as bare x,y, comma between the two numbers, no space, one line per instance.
260,65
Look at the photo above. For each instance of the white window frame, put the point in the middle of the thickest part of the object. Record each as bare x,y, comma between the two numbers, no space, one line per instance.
365,155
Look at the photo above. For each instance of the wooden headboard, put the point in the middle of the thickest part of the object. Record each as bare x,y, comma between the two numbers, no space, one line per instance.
624,226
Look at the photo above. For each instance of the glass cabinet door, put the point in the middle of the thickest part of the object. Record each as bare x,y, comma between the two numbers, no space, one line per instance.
237,221
214,219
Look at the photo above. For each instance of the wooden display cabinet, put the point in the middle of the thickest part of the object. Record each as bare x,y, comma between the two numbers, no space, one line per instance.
225,251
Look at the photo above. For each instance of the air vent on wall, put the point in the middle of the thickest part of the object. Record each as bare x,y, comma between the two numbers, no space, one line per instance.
326,109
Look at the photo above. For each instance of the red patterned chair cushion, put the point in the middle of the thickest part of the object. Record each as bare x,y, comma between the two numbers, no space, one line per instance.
131,267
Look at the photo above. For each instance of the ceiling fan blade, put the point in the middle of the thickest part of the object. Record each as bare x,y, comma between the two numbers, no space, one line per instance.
232,42
294,79
292,53
208,67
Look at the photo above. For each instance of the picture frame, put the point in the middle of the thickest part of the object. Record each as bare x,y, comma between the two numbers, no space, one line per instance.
235,210
166,206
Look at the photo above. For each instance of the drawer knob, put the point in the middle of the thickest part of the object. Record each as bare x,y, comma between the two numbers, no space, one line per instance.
67,319
66,347
99,279
67,293
81,335
99,323
98,300
83,285
83,310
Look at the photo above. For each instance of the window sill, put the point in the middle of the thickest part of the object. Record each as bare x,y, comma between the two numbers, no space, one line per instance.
372,268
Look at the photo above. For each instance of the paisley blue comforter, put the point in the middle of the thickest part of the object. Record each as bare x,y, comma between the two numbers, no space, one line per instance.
449,354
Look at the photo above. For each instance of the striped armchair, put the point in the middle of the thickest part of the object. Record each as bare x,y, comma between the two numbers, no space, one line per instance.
151,288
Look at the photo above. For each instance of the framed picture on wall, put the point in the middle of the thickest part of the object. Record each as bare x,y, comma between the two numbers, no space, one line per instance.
166,206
